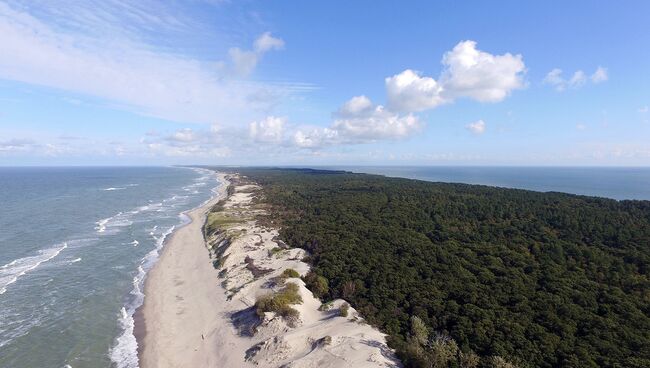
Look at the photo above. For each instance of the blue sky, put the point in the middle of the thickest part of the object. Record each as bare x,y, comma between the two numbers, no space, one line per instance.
316,83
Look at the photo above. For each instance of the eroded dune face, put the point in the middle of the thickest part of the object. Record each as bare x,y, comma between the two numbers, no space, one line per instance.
281,321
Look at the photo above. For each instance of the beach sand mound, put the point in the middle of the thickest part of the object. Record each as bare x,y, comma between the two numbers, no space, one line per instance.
290,328
251,267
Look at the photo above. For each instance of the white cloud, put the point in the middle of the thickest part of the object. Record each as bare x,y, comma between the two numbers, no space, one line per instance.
375,125
581,127
182,135
269,130
315,137
554,78
477,127
266,42
479,75
578,79
17,145
358,105
643,109
600,75
245,61
359,121
468,72
188,142
408,91
126,72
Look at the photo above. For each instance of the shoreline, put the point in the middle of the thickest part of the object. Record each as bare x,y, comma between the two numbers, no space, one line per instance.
200,298
156,318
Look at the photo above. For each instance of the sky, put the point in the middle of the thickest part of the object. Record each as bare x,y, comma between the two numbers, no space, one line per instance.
117,82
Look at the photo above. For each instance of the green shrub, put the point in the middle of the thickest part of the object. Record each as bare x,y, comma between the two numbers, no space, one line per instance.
274,251
325,306
419,330
344,309
317,284
280,302
290,273
324,341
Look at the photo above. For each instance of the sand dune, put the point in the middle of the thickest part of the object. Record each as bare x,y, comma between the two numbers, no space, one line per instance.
196,315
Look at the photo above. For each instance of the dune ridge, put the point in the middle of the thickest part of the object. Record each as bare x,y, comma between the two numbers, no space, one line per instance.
251,260
209,318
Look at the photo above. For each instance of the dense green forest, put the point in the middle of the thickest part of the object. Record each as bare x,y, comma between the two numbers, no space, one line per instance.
459,275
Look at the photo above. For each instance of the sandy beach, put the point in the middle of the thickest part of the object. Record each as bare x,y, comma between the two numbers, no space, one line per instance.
197,316
178,324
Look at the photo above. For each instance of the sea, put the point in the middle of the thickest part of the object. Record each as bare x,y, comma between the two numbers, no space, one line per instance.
609,182
76,243
75,246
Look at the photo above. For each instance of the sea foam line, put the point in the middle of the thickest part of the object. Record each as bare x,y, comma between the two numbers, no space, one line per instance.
125,351
17,268
124,354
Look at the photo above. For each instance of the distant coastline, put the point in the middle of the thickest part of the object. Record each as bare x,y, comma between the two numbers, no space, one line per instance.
620,183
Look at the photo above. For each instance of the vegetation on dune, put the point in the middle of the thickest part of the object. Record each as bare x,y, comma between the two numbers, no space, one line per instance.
220,221
344,309
280,303
290,273
318,284
474,276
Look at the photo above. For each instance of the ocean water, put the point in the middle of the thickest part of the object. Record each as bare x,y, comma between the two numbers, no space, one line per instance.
617,183
75,245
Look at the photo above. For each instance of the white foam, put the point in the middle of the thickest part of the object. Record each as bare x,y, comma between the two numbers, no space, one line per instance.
125,351
135,243
75,260
119,220
111,189
17,268
101,225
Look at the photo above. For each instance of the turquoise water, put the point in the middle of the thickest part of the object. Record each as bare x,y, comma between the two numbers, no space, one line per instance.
609,182
75,244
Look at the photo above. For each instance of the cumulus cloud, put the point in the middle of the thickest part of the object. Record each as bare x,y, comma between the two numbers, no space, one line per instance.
467,72
245,61
268,130
315,137
600,75
266,42
408,91
479,75
358,105
579,78
554,78
359,121
188,142
477,127
379,123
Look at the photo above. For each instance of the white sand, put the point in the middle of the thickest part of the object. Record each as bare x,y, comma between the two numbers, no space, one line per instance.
190,310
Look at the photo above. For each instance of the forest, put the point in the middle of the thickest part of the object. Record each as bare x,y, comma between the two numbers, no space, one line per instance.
474,276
